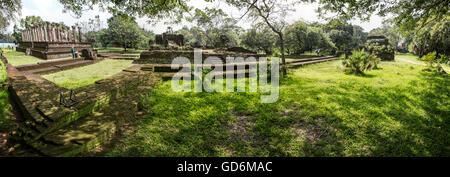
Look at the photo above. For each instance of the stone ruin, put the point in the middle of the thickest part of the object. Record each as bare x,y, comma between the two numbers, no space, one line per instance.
385,53
51,41
167,46
167,40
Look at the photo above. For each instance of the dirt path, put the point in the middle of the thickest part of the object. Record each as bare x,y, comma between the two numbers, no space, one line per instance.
416,63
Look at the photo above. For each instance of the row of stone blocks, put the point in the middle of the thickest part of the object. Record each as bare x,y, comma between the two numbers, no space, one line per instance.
55,66
55,130
52,50
167,56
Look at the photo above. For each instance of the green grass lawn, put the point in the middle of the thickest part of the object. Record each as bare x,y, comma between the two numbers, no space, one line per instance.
121,50
87,75
5,108
408,57
394,111
19,58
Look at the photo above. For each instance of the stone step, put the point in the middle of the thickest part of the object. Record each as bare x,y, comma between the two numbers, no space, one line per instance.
309,59
46,64
74,65
294,65
168,67
84,134
94,129
235,73
124,58
47,70
130,55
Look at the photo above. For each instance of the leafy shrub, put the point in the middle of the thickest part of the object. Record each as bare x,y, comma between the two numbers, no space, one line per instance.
382,51
360,61
433,61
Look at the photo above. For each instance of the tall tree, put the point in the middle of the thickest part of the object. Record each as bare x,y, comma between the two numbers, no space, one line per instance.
8,11
30,21
217,26
123,29
260,38
301,37
271,12
154,9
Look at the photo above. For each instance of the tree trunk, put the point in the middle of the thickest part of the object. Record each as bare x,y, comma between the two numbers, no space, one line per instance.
283,58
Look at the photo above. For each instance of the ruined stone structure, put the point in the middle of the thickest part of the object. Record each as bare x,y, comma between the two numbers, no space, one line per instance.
166,47
385,51
166,38
50,41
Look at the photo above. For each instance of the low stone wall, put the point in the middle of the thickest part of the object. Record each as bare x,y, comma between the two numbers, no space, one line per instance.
166,56
41,65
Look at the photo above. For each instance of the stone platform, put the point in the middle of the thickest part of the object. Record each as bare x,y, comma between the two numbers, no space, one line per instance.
166,56
54,50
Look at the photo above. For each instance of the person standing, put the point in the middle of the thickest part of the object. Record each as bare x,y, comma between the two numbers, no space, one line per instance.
73,52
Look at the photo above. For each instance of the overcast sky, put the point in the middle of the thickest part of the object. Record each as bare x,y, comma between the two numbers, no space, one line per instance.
52,10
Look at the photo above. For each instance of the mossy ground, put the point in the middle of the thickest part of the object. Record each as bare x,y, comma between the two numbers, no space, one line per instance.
5,108
397,110
19,58
86,75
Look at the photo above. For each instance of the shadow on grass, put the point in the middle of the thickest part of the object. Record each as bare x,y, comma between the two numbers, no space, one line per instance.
340,119
388,121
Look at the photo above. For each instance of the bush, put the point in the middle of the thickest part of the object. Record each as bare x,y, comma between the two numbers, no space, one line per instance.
385,52
360,61
433,61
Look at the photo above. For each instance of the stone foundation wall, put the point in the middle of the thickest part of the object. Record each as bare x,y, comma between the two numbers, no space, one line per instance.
166,56
53,50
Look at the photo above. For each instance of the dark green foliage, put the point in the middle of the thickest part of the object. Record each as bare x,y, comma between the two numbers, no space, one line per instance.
260,38
8,11
301,37
384,52
360,61
124,30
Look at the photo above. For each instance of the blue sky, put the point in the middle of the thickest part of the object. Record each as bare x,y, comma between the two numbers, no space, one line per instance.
52,10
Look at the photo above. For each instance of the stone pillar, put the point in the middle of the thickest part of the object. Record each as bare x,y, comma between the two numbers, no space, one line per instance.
49,37
80,35
44,37
74,34
50,32
33,37
53,33
46,32
40,33
61,34
27,35
67,34
24,35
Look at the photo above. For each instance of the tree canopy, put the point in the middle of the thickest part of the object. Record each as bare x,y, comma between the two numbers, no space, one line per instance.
124,30
407,14
8,11
154,9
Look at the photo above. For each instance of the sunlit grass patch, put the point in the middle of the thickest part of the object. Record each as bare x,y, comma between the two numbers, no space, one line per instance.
19,58
393,111
87,75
